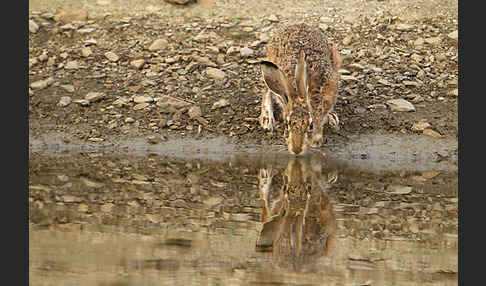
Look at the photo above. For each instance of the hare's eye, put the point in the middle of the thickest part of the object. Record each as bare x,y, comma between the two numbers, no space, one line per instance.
311,126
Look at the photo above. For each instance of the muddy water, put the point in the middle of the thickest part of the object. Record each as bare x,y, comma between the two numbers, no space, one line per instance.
141,214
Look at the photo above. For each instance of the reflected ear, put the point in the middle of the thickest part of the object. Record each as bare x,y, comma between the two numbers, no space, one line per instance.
302,76
275,80
329,245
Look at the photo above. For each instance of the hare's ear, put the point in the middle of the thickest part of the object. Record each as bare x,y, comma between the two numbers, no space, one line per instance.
336,59
302,75
275,80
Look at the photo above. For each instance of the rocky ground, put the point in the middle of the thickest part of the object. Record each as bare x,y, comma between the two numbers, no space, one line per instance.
164,71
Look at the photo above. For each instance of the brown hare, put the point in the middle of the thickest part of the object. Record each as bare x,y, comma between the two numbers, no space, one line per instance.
302,75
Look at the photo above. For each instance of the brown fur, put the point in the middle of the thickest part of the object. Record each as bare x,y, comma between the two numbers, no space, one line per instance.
286,49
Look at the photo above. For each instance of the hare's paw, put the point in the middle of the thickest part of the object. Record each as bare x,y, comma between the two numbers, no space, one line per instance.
265,181
333,121
267,120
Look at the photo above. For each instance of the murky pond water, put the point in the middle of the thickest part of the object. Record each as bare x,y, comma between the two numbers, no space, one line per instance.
99,217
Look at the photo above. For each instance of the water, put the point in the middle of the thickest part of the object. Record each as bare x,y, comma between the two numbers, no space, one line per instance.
143,216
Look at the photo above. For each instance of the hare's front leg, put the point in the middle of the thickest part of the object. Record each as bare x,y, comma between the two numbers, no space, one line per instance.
333,120
266,116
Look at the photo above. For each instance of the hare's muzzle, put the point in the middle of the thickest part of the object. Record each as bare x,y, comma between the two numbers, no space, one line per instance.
296,144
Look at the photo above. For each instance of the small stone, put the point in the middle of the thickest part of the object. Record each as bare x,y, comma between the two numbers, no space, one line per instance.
433,41
419,43
64,55
106,208
347,40
43,57
65,101
420,126
220,103
416,57
41,84
70,16
246,52
33,27
112,56
141,106
432,133
138,64
178,2
71,65
194,112
232,50
440,57
404,27
82,208
273,18
204,61
152,139
143,98
85,30
327,20
90,42
158,44
168,102
82,102
120,102
94,96
215,73
348,19
86,52
454,92
51,61
400,105
67,87
324,27
453,35
348,78
129,120
398,190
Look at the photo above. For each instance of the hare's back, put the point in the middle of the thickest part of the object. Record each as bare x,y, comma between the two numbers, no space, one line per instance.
286,44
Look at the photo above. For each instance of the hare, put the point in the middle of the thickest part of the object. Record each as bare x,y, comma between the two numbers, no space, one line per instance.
302,75
299,226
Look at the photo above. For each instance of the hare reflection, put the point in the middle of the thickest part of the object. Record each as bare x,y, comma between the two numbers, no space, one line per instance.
299,225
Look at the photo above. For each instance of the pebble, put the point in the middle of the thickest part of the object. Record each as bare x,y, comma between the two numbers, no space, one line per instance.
220,103
347,40
416,57
129,120
179,2
232,50
204,61
454,92
398,190
432,133
64,55
453,35
142,99
167,102
403,27
65,101
215,73
194,112
419,43
141,106
246,52
85,30
71,65
71,16
138,64
433,41
158,44
112,56
152,139
86,52
67,87
400,105
420,126
82,102
41,84
94,96
273,18
33,27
